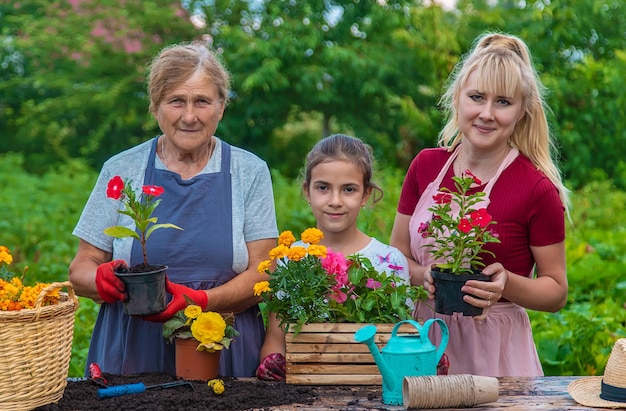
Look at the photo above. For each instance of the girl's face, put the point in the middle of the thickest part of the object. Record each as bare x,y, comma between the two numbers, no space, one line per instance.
336,194
486,119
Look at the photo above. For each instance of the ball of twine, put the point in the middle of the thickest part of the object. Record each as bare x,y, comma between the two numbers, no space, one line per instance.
448,391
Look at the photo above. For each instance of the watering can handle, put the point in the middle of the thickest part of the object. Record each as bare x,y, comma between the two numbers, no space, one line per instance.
444,335
412,322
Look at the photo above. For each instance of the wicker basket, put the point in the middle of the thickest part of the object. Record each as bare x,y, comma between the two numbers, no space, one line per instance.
35,351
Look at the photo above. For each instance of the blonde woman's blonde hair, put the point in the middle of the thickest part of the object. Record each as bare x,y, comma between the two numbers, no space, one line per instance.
504,67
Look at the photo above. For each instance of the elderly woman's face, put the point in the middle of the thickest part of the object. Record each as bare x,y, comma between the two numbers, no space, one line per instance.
190,113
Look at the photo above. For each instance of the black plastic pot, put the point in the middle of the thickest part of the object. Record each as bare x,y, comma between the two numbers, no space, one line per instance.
146,291
448,294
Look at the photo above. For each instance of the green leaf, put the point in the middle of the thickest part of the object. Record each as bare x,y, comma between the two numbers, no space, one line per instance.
121,232
157,226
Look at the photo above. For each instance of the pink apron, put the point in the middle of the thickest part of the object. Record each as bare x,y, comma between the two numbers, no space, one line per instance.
502,344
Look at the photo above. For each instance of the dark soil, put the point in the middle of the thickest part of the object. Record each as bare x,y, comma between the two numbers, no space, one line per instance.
238,395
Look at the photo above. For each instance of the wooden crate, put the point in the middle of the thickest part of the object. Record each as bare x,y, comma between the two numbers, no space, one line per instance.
327,354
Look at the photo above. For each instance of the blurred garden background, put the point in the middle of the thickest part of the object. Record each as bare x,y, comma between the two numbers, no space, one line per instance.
72,93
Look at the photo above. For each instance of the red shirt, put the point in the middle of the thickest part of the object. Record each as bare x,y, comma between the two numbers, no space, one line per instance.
524,203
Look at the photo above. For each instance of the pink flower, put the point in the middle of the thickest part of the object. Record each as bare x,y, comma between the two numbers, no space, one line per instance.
335,264
373,284
338,295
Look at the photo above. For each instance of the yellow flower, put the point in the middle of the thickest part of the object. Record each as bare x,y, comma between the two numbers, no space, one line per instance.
5,255
312,235
261,287
208,327
192,311
217,385
296,253
317,250
264,266
279,251
286,238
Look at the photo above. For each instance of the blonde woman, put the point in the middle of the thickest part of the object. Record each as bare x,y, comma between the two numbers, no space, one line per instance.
497,129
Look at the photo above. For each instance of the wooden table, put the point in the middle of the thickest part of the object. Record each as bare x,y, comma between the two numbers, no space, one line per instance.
516,394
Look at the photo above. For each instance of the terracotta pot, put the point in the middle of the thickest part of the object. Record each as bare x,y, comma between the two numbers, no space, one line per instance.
448,294
195,365
146,291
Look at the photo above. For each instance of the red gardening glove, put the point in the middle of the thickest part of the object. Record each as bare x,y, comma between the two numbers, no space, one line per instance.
178,302
110,288
272,368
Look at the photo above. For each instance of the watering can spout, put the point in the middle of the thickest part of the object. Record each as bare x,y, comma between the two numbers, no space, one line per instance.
366,335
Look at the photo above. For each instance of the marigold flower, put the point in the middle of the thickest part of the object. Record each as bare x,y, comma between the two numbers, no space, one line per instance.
5,255
286,238
279,251
261,287
312,235
317,250
296,253
264,266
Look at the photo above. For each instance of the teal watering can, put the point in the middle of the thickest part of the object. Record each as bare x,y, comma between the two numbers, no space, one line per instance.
404,355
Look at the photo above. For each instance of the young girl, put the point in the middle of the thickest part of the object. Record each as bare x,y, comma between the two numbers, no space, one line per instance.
337,183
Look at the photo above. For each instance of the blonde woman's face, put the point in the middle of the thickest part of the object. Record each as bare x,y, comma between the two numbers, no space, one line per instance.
486,119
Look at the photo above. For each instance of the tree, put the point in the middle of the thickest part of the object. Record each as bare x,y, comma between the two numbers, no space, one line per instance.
75,85
360,67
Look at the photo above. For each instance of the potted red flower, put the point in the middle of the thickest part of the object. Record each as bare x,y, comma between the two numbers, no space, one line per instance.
145,283
459,236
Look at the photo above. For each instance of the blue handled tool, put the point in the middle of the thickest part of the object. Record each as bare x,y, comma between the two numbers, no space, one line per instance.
137,388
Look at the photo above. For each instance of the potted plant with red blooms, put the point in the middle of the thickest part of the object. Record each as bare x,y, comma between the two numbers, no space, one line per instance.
145,282
459,229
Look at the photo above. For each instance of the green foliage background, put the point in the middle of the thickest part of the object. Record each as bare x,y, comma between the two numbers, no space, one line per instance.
39,213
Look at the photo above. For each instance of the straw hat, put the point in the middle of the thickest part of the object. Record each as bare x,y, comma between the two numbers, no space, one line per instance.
608,391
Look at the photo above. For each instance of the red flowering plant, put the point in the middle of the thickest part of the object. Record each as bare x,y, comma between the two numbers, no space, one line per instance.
459,237
139,207
313,284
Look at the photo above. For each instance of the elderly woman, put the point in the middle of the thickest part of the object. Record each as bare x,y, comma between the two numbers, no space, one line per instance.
219,194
